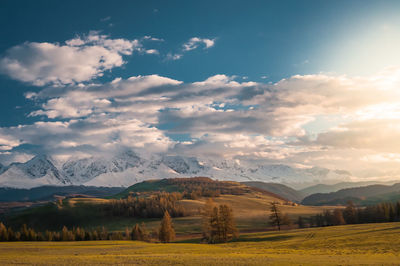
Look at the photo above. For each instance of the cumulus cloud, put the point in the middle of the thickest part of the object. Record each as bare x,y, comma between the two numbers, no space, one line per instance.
225,116
77,60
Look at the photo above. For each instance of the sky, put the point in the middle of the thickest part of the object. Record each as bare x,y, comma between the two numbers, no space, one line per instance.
303,83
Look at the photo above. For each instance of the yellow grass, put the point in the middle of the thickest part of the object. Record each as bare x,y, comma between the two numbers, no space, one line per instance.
74,201
371,244
251,210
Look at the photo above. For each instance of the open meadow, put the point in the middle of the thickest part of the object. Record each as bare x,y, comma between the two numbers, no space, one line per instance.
251,211
367,244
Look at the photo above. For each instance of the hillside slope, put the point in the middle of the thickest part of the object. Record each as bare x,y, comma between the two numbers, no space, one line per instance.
327,188
360,195
250,205
279,189
48,192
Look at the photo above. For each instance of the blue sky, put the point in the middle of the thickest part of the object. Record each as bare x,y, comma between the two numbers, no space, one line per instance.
256,47
275,39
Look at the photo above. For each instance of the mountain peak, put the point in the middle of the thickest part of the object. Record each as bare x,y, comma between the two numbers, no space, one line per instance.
127,168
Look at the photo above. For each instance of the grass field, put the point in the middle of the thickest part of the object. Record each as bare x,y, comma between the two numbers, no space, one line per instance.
251,212
368,244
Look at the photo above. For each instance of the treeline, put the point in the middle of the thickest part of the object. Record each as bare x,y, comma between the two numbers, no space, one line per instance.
153,206
195,187
378,213
218,226
138,232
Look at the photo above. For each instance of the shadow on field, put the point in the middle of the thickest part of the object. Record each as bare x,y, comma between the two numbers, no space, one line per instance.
244,239
265,238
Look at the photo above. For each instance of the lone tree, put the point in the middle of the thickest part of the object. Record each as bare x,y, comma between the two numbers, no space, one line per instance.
227,223
275,218
207,216
136,233
218,223
166,233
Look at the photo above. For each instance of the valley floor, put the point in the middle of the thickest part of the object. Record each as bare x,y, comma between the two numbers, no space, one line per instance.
366,244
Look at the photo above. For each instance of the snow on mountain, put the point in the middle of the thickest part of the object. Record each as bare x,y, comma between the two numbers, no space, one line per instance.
38,171
84,170
183,165
128,168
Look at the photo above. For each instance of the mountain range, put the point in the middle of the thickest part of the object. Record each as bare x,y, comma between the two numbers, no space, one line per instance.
327,188
127,168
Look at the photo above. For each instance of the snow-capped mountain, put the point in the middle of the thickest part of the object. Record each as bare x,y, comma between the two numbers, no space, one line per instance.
38,171
84,170
128,168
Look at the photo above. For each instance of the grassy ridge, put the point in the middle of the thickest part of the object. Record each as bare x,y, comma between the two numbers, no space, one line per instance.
365,244
251,212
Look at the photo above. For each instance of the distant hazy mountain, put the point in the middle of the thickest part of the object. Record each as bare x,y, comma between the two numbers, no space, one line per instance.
48,192
128,168
2,168
279,189
360,195
324,188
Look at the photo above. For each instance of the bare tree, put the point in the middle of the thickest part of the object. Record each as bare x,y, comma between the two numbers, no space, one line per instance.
275,218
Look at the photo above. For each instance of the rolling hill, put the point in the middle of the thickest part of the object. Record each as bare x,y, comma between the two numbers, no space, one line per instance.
279,189
48,192
250,205
327,188
361,195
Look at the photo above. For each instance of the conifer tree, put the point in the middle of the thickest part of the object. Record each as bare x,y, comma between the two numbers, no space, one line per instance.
127,234
24,233
207,218
144,232
32,235
136,234
227,224
218,223
64,234
166,233
48,236
3,232
11,234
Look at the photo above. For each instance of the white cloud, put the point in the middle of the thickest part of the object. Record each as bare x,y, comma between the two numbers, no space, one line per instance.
191,44
78,60
171,56
151,51
226,116
151,38
195,42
